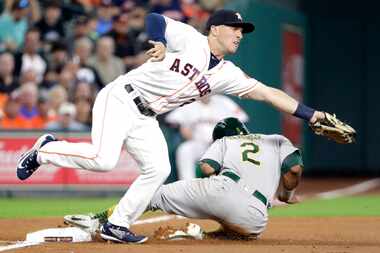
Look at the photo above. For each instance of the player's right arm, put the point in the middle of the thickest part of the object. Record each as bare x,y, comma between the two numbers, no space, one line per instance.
240,84
291,170
289,183
283,102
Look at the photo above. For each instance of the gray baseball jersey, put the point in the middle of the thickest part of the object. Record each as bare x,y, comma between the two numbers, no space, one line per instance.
249,173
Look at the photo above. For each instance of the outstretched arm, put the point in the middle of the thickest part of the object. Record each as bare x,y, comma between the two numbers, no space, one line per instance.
283,102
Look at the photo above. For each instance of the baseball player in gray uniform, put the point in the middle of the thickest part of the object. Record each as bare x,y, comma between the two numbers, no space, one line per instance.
184,66
249,169
246,171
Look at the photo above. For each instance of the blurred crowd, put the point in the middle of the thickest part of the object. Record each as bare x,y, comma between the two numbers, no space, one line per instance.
56,55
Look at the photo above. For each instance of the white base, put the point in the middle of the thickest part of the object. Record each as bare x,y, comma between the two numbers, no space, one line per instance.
70,234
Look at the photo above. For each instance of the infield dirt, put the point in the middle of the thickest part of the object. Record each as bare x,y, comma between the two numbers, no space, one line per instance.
283,234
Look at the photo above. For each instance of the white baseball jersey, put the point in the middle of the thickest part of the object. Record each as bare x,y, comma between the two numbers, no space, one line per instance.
202,117
183,76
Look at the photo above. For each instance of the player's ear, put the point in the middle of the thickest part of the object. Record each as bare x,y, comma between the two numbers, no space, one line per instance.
213,30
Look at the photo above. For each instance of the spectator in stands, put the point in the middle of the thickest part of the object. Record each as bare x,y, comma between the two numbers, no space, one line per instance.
196,16
14,22
137,37
29,58
105,62
169,8
12,118
58,56
80,28
45,114
211,5
72,9
66,120
105,13
119,33
50,80
28,76
83,91
66,77
83,108
51,25
82,52
56,96
28,94
8,82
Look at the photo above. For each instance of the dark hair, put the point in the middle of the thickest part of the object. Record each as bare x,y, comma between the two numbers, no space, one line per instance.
58,46
53,4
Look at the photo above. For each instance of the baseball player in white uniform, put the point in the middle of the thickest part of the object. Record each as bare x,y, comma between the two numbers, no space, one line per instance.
184,66
196,122
247,170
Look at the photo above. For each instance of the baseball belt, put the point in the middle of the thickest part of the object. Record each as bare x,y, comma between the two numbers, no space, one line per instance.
256,193
140,103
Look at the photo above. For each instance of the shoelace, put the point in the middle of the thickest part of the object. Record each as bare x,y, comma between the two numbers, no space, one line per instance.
126,231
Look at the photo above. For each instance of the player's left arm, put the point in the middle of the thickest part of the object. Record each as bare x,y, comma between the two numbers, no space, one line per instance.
283,102
166,34
155,27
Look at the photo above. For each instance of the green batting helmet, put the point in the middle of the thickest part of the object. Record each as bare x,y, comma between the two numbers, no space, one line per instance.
229,127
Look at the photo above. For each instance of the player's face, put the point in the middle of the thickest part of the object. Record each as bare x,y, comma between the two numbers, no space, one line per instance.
229,38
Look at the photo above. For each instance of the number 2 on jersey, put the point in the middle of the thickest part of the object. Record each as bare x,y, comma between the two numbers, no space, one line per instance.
247,149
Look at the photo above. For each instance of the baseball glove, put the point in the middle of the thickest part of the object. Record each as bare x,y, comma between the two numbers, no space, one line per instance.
191,231
334,129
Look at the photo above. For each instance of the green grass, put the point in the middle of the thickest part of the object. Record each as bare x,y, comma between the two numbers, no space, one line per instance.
345,206
44,207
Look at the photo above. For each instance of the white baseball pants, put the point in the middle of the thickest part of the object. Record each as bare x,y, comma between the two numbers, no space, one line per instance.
116,119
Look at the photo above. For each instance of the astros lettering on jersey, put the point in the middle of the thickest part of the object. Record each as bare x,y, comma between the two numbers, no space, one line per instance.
183,76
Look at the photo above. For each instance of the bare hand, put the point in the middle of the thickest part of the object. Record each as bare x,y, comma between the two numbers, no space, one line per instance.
157,53
293,200
317,116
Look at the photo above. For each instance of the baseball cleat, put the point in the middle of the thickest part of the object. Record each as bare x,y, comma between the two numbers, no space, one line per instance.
87,222
27,164
119,234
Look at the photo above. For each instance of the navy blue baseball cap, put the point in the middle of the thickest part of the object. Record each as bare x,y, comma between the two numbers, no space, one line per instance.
229,18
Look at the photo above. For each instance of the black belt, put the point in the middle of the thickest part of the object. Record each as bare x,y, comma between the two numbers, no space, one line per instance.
140,103
236,178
